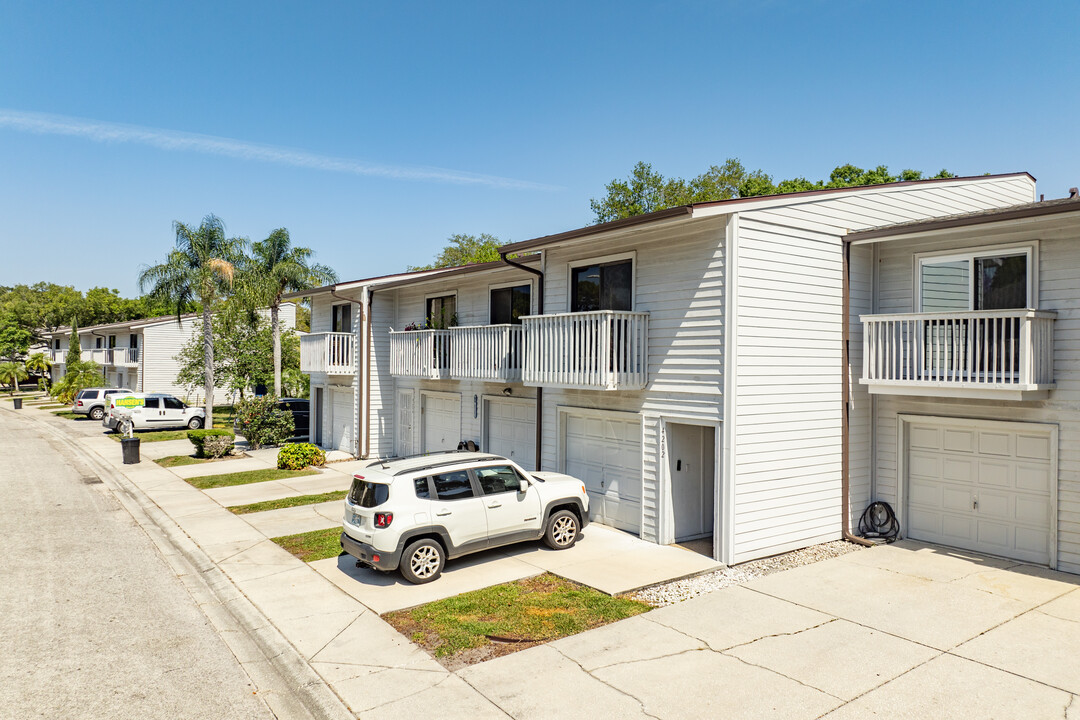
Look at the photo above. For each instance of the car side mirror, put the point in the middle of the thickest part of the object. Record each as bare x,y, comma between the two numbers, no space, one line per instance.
524,486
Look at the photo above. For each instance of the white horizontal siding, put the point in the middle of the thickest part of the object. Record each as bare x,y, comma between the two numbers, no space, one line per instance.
1059,290
789,354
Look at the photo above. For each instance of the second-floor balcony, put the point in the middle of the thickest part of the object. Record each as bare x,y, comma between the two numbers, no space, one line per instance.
333,353
474,352
1004,354
420,354
112,356
599,350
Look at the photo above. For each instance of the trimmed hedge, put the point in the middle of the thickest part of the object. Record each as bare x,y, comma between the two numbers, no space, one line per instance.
300,456
198,437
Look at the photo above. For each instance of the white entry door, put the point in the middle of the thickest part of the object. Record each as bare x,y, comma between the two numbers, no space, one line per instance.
442,422
982,485
691,459
604,451
511,430
342,420
404,437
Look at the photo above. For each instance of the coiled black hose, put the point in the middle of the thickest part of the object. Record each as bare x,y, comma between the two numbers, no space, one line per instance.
879,521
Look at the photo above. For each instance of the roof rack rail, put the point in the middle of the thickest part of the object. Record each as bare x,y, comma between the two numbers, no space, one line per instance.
486,458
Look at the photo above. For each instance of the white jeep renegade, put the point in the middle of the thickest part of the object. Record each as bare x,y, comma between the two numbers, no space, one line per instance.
415,513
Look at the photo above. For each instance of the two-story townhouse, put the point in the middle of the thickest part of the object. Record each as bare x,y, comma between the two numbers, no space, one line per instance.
141,354
965,384
686,364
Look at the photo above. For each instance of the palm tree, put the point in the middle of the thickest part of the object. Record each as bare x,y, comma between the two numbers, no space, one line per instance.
38,363
13,373
275,268
200,270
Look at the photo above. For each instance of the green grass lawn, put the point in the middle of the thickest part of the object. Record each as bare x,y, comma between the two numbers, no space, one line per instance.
312,546
528,612
67,414
289,502
155,435
205,482
180,460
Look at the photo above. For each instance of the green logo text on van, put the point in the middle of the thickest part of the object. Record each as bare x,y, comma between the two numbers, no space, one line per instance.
129,402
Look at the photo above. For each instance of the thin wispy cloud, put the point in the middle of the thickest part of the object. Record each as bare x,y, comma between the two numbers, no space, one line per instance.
107,132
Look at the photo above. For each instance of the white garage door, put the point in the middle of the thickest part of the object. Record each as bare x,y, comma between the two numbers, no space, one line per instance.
982,486
442,422
341,438
511,431
605,452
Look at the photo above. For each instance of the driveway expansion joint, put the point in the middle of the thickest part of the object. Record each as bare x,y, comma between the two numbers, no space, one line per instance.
640,702
768,669
725,650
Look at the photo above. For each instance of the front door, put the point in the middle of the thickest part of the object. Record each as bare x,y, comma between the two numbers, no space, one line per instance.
318,416
405,423
691,466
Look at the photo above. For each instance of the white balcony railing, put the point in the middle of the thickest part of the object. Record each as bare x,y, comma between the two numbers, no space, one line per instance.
486,352
420,353
601,350
333,353
982,350
58,357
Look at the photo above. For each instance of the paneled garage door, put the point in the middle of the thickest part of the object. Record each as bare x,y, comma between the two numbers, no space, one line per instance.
442,422
605,452
511,430
342,419
982,486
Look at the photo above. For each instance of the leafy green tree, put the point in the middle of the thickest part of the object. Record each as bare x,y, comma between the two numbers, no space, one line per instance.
200,269
463,250
243,354
39,364
646,190
274,268
842,176
14,341
12,373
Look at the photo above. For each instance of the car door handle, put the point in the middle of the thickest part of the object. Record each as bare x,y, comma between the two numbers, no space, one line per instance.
495,505
444,513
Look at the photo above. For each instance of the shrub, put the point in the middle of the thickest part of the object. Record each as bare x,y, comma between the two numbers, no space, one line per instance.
217,446
299,456
199,439
261,421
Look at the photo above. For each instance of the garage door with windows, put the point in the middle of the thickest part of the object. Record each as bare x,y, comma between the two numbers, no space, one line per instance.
511,430
982,485
604,451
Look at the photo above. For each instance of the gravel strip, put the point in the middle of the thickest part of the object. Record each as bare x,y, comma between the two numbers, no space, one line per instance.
679,590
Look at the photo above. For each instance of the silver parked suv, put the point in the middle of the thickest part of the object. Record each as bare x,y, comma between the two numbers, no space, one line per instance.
93,401
415,513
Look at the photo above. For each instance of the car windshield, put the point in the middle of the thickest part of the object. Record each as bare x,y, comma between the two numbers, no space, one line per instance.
368,494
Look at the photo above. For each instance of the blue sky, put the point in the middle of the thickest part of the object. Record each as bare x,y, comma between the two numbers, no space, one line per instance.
374,131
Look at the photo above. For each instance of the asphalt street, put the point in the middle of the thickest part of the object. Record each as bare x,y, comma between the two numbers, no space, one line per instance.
93,621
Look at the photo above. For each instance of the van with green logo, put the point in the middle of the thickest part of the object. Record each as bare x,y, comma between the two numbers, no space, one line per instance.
147,411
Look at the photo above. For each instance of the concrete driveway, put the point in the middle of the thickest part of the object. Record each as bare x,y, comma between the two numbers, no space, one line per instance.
900,631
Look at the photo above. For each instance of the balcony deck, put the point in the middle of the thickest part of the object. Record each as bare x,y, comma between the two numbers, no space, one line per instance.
599,350
1002,354
333,353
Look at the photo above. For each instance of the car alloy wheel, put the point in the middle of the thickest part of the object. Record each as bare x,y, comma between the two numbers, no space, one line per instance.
425,562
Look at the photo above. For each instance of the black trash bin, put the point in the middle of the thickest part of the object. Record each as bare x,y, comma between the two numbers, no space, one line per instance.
18,403
131,450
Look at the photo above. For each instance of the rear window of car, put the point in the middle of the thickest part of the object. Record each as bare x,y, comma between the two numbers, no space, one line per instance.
368,494
88,395
423,490
453,485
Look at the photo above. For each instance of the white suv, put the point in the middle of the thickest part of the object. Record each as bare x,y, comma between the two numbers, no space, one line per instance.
147,411
93,401
414,513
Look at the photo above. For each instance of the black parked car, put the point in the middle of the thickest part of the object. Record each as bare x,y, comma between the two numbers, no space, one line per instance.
301,414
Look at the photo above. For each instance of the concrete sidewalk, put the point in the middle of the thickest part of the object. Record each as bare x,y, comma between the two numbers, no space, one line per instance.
905,631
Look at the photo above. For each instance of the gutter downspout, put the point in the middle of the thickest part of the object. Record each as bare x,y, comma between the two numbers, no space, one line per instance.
845,385
368,349
539,391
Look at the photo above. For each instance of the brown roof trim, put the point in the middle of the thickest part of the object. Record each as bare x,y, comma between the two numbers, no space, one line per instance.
349,284
681,210
675,212
984,217
459,270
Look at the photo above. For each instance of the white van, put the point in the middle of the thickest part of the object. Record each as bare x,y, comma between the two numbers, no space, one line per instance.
148,411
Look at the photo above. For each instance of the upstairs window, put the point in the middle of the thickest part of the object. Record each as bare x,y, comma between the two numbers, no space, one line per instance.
133,341
976,281
510,304
602,286
442,312
341,318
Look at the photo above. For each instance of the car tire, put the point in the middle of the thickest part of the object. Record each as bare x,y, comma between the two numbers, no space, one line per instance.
562,530
422,561
97,413
194,423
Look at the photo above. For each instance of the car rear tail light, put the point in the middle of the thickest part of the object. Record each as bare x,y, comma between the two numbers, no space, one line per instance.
383,520
79,403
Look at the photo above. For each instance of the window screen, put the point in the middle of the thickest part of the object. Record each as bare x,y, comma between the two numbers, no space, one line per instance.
453,485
